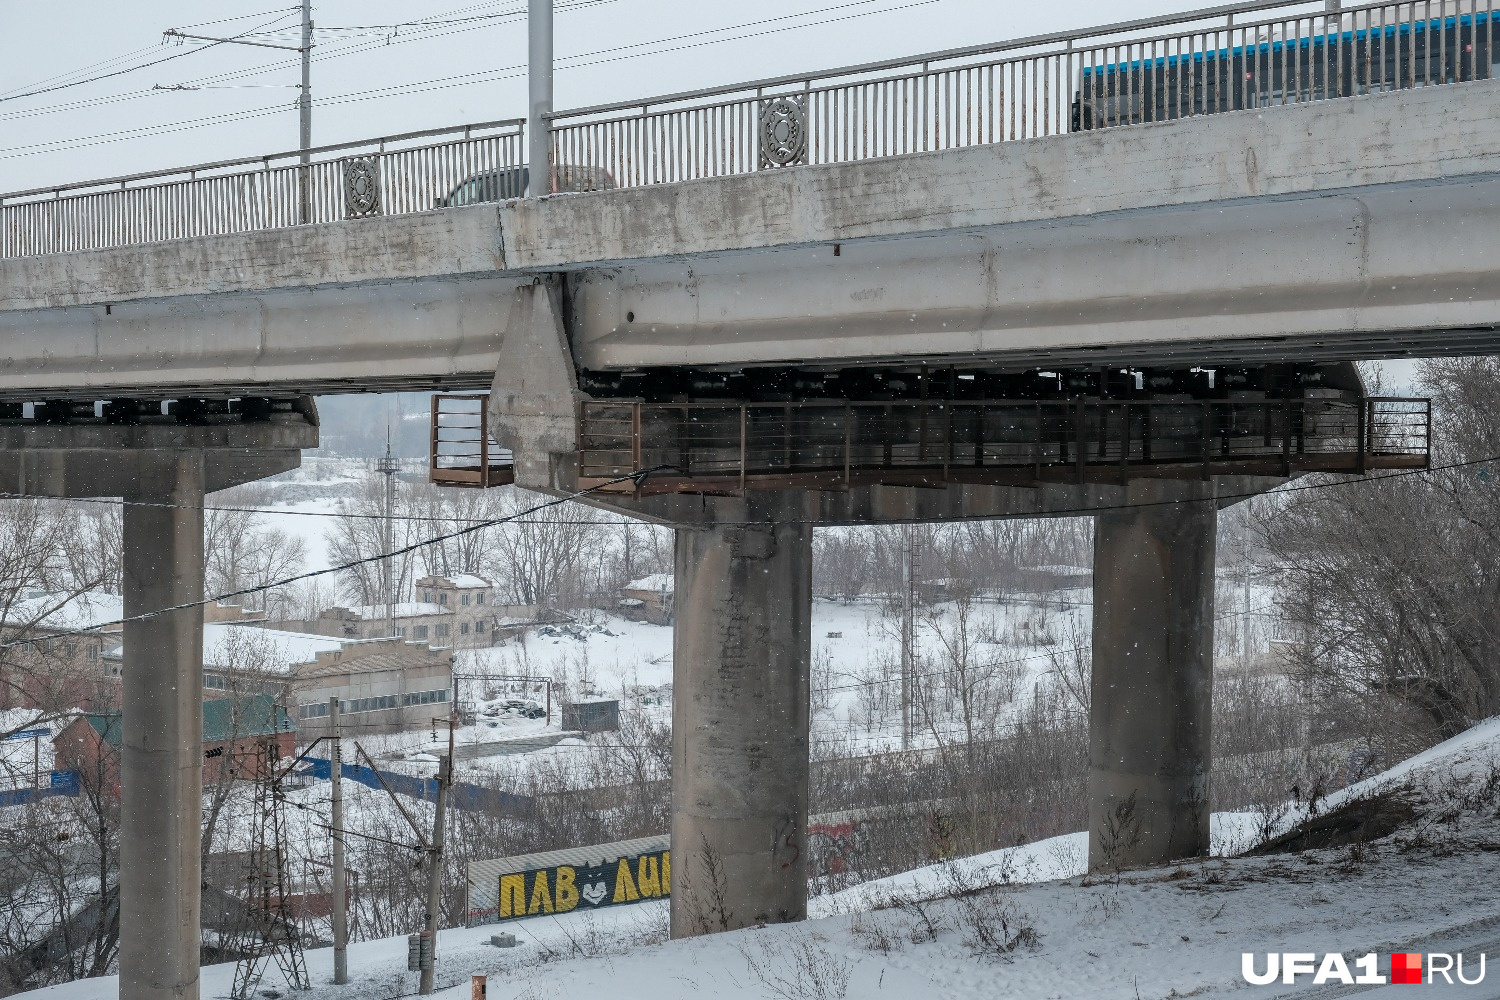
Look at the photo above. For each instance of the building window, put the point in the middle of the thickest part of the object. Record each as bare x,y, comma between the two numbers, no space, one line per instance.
464,600
427,596
463,629
479,625
442,631
420,632
91,652
213,681
400,631
479,597
443,600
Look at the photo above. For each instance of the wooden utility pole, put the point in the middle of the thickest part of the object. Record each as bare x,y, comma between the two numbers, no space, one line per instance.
435,876
340,889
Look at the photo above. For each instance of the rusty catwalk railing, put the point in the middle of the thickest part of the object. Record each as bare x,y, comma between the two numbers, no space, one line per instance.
462,453
1247,55
729,447
387,176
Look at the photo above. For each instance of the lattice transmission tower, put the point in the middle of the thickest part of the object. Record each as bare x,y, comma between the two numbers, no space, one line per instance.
271,930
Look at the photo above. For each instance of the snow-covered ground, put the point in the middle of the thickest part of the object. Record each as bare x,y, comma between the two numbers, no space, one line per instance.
1163,933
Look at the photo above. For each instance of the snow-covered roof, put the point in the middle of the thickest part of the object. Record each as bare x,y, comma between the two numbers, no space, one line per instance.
465,580
89,609
659,582
376,612
1061,570
250,647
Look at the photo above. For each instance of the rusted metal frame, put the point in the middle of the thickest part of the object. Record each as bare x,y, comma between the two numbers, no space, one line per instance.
1286,438
744,434
1366,413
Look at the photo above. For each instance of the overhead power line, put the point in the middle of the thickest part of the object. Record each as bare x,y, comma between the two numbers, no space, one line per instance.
342,567
576,61
128,69
1079,511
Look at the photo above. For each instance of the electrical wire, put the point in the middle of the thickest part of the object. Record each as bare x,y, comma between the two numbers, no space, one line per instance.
189,605
1051,512
420,87
129,69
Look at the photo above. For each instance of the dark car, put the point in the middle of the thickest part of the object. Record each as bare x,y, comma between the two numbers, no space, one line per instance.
503,185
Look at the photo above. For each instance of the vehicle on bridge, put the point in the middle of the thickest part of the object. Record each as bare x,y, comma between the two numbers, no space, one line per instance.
1276,71
510,182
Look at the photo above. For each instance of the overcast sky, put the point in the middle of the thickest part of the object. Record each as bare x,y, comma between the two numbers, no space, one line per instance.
660,46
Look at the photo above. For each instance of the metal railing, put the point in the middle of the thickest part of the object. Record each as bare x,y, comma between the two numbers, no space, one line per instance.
729,447
462,452
392,175
1245,55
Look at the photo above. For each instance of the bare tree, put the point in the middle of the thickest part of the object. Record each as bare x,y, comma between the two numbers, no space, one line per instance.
1393,586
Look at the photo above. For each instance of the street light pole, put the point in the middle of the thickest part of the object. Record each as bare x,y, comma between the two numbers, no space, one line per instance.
304,188
539,74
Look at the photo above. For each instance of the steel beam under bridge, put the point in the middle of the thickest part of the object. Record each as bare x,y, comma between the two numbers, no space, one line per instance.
1358,228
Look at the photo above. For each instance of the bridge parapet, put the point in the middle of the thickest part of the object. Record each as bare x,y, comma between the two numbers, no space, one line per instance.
390,175
1225,58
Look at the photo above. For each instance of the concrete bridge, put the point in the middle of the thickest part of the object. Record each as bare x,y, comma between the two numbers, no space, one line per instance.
1176,233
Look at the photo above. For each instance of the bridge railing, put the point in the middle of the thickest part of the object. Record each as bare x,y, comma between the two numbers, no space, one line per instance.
729,447
386,176
1222,58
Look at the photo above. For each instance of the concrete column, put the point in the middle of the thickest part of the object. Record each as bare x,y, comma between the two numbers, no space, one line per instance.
741,653
1150,706
161,765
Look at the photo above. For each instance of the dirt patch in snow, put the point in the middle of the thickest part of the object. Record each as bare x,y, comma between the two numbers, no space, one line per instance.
1359,821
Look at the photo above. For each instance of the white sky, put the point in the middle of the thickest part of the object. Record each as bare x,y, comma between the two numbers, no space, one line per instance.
39,40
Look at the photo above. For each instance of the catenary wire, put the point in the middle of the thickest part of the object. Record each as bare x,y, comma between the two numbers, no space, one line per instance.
417,87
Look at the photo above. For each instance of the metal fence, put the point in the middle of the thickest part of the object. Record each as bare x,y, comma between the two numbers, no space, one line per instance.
1246,55
388,176
730,446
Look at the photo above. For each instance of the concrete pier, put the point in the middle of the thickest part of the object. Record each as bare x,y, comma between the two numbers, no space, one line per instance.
1151,701
163,470
161,763
741,656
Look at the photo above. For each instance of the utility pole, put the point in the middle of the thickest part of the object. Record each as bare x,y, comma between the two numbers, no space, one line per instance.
435,877
387,467
1245,594
304,101
340,889
539,76
907,573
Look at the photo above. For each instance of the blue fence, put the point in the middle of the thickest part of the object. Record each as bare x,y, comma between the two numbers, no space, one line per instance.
59,783
471,798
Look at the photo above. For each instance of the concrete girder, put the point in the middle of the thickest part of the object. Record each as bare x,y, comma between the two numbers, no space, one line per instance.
1355,228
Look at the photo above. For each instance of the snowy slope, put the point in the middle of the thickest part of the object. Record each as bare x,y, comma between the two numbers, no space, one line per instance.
1160,933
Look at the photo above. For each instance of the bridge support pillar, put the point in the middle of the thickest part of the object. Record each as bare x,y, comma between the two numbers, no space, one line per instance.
161,762
740,720
1151,695
163,470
